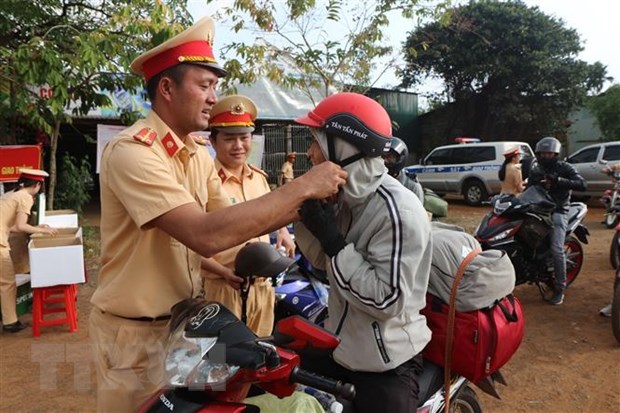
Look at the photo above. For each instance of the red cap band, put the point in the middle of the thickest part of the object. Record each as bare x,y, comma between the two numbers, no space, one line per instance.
226,119
198,51
32,177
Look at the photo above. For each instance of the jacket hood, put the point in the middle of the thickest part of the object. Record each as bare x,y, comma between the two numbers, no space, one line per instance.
365,174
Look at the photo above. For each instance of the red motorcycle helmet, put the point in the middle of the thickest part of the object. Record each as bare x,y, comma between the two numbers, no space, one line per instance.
355,118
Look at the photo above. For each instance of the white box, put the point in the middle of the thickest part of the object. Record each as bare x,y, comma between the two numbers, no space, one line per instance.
62,218
56,261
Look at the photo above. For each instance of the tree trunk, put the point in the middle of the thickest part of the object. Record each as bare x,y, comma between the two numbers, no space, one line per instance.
53,146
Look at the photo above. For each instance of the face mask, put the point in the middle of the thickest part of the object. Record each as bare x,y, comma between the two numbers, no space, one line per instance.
547,163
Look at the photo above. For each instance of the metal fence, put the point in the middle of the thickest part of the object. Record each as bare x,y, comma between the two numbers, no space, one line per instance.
281,139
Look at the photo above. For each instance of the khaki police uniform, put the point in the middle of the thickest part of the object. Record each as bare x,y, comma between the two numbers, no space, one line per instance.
513,182
286,172
513,179
147,171
11,203
261,298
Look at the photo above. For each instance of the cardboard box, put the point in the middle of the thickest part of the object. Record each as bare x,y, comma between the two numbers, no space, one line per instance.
56,261
62,233
62,218
24,294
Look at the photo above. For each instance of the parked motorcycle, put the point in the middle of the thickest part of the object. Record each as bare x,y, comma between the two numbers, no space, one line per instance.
614,250
302,291
615,307
611,200
521,226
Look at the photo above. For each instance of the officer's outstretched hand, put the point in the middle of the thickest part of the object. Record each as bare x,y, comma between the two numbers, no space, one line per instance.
323,180
320,219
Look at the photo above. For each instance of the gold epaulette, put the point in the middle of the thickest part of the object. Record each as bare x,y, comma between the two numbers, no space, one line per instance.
200,140
260,171
146,135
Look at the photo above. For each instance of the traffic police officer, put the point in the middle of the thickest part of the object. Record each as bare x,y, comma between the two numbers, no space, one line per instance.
156,185
15,207
231,125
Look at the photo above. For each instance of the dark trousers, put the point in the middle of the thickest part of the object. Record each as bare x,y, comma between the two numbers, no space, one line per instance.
391,391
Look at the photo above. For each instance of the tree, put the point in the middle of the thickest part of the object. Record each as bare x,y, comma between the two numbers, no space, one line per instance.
510,68
315,47
606,109
76,49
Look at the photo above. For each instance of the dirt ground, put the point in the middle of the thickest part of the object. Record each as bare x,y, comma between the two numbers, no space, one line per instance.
569,360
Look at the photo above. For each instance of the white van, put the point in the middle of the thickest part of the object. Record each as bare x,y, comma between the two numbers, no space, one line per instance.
469,169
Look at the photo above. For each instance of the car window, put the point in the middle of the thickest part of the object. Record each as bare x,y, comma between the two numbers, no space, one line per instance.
439,157
612,153
471,154
587,155
525,150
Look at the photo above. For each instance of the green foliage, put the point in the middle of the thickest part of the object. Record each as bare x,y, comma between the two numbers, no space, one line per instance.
313,45
76,49
514,66
74,181
606,109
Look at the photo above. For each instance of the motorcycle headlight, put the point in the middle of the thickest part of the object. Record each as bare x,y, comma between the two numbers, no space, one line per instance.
501,235
187,363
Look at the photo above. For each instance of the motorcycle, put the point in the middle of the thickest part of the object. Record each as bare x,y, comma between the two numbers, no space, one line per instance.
521,226
615,307
611,201
614,250
301,291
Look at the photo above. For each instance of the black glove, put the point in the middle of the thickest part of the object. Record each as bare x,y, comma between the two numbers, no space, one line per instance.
550,181
320,220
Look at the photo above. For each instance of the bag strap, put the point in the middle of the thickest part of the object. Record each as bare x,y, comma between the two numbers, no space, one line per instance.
511,317
450,328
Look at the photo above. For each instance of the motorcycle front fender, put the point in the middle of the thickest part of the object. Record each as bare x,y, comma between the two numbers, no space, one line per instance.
581,232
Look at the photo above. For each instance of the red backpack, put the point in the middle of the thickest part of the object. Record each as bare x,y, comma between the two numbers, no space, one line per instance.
477,343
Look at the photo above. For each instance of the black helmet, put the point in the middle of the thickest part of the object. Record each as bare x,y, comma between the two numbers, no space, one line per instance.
261,259
549,144
399,149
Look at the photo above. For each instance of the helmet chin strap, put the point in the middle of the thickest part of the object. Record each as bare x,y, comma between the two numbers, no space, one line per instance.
332,154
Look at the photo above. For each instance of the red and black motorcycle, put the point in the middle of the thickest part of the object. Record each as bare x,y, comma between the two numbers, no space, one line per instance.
213,358
521,226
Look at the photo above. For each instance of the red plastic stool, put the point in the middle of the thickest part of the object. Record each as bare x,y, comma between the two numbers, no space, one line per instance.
51,300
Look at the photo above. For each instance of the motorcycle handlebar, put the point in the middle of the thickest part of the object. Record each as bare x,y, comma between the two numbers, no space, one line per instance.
326,384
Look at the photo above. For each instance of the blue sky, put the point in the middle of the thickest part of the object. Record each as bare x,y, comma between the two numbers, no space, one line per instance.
596,21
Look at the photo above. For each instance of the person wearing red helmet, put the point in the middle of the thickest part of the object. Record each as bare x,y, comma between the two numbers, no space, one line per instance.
373,239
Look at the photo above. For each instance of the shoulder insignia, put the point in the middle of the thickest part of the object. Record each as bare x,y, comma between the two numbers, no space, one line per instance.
146,135
169,144
222,175
260,171
200,140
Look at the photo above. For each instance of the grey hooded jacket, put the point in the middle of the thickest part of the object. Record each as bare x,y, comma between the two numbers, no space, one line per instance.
378,281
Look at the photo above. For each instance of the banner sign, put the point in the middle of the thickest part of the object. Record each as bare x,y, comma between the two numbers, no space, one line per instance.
15,157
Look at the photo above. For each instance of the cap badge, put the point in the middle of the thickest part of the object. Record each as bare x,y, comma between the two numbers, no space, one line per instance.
237,109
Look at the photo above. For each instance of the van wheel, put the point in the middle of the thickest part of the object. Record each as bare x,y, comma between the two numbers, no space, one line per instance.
474,192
